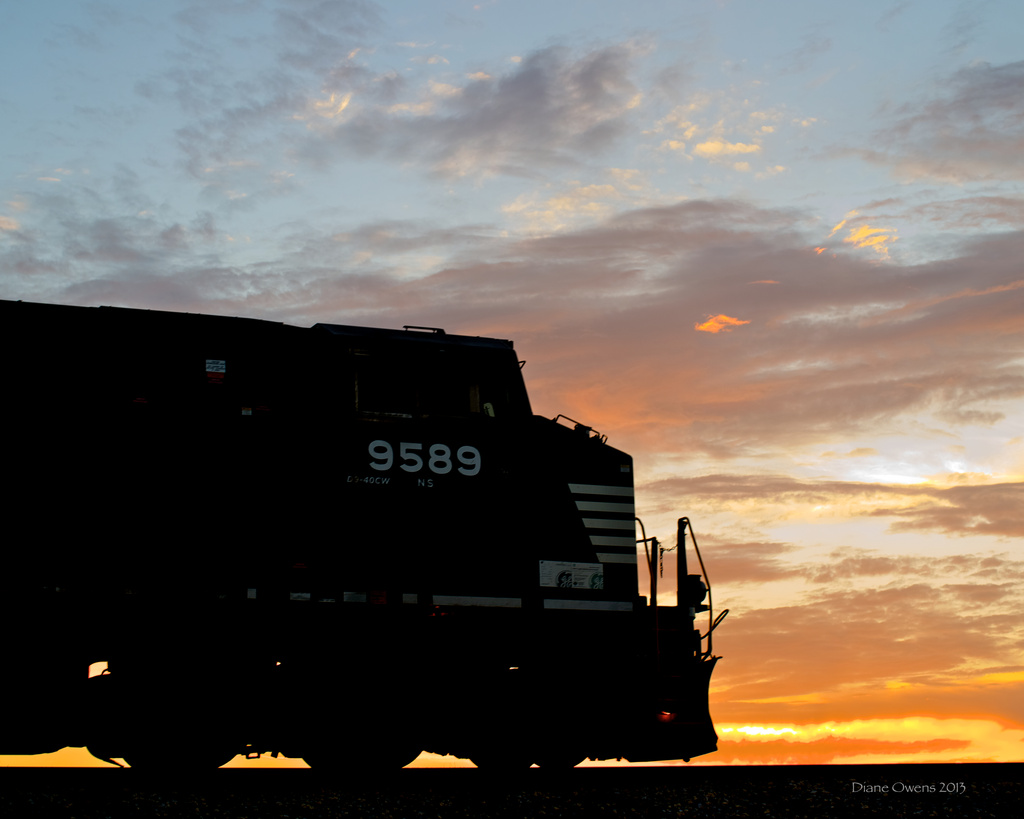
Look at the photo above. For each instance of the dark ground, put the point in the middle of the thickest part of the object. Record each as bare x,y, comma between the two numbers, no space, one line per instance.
968,790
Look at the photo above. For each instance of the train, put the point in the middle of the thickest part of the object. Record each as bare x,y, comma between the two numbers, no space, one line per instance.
232,536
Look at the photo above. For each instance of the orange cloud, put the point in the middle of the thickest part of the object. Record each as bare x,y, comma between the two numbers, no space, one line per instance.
839,226
864,236
719,323
876,238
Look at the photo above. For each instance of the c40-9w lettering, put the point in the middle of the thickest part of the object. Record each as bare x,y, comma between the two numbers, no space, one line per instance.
437,458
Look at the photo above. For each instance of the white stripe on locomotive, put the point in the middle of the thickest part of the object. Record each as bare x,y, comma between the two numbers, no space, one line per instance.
616,557
598,489
589,605
606,506
609,523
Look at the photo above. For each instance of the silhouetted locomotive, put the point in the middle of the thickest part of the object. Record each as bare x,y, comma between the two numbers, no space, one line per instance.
337,543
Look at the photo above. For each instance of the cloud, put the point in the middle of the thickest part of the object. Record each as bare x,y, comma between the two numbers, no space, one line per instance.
311,33
994,508
859,452
842,224
862,235
558,211
799,59
544,112
968,292
433,59
967,212
875,238
751,562
309,69
717,147
830,749
809,661
972,131
558,207
330,107
891,14
719,324
849,563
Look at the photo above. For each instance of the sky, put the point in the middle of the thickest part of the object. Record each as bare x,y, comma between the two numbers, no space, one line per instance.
772,250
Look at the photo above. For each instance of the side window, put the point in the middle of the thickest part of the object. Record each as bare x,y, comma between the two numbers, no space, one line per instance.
447,391
436,383
384,387
433,382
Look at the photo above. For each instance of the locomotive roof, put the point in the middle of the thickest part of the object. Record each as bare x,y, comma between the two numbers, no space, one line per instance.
62,314
420,334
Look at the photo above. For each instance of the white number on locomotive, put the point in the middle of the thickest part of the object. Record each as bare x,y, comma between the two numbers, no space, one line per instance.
438,460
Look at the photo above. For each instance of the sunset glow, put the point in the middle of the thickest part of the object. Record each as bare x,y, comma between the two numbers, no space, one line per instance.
893,741
775,258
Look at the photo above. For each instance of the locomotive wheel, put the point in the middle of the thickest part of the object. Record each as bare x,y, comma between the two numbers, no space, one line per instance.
501,758
191,761
101,753
556,760
361,760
